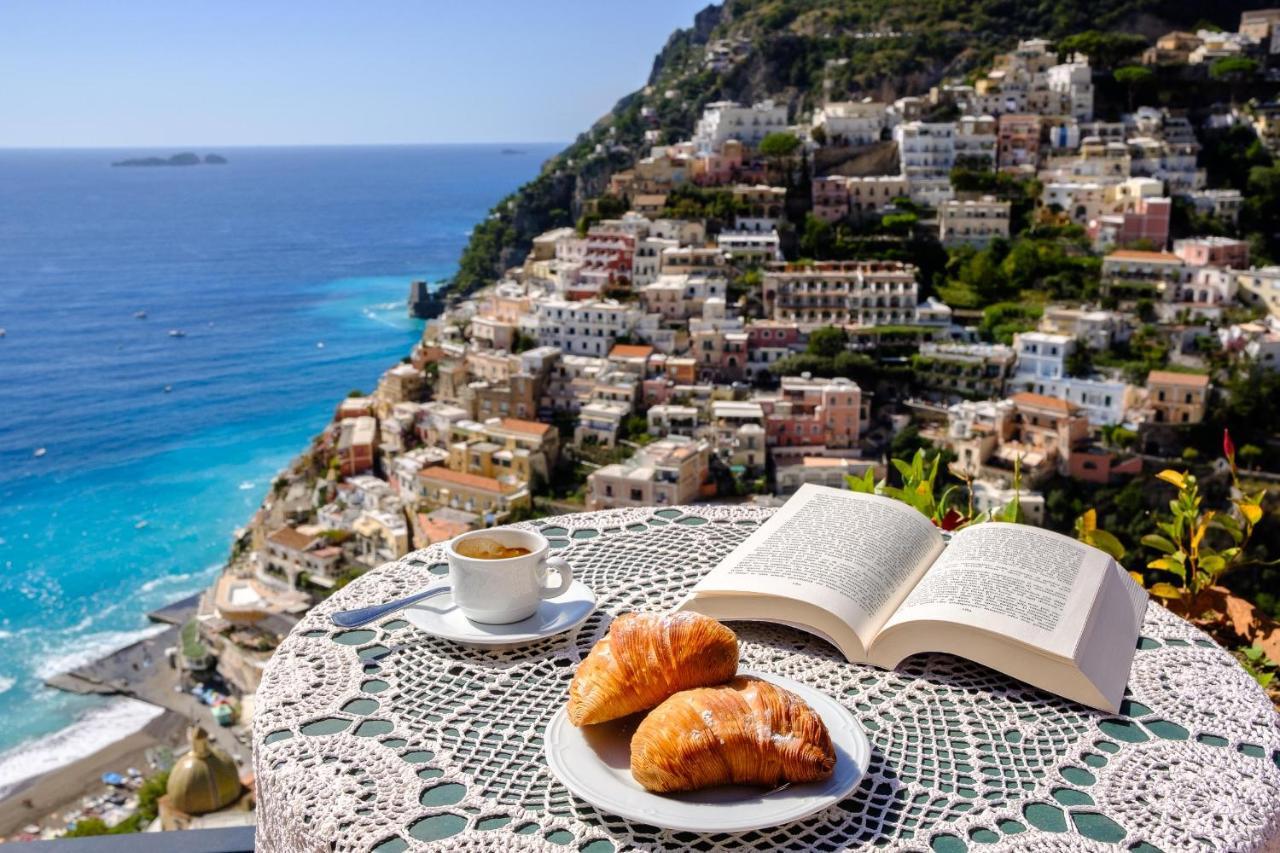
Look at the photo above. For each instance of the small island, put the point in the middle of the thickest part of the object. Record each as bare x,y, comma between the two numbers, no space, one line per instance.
186,158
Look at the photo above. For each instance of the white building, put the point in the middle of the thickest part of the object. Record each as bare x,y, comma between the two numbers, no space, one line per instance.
583,328
1072,82
1041,369
724,120
975,141
852,122
926,149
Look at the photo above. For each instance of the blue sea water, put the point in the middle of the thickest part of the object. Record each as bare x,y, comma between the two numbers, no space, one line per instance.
134,502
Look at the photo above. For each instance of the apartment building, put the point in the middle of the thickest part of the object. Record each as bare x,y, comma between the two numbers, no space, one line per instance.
442,487
863,293
813,412
725,120
926,149
1018,142
1213,252
588,327
975,222
667,472
1177,398
851,122
1041,370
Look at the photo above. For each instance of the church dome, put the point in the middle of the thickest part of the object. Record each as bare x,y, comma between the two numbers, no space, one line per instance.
205,779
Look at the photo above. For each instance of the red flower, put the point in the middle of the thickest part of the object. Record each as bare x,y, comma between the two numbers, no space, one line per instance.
1229,449
951,520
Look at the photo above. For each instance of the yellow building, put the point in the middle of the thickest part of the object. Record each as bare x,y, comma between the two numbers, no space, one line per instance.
1177,398
441,487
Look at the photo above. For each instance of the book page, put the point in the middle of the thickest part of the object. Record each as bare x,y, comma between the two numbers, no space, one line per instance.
1029,584
853,555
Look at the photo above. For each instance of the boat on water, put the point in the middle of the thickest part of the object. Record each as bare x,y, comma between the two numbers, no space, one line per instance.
168,389
40,451
140,315
177,333
319,344
140,525
2,333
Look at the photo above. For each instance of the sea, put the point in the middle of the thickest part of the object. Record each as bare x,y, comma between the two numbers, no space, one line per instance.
128,456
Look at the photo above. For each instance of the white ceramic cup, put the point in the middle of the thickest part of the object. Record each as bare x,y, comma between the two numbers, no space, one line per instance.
498,592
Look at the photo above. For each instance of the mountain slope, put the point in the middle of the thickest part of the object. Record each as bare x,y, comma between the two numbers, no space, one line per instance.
794,50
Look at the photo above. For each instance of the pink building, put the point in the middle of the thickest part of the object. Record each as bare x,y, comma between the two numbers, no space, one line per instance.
1018,141
831,198
607,257
813,412
1213,252
715,168
1147,222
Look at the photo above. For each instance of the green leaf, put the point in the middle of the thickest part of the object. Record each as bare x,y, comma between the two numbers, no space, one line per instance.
1161,544
1165,590
1104,541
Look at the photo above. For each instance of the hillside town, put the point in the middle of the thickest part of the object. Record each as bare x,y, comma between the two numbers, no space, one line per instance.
745,311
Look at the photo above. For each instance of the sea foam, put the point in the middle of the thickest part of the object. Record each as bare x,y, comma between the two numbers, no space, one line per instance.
92,647
98,728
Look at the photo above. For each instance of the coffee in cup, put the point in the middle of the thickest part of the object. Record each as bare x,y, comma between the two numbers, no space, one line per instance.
499,576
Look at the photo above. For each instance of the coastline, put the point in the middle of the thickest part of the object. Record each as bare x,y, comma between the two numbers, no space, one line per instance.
140,673
45,800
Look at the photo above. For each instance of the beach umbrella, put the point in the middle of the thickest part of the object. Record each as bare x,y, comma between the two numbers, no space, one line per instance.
112,779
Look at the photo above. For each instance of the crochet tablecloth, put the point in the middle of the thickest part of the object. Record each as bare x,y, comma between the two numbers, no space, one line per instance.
387,739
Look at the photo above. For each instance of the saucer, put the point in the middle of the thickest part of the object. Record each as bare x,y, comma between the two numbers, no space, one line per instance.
440,616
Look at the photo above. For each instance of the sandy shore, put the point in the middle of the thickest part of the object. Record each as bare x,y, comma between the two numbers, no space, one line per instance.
44,799
139,671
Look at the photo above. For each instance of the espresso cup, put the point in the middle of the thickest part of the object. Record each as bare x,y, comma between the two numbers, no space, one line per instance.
498,592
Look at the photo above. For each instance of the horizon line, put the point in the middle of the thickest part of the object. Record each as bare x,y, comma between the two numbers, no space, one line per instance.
208,146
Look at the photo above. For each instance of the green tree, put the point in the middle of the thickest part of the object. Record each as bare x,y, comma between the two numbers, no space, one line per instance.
1105,50
827,342
1080,361
1234,70
1133,78
778,145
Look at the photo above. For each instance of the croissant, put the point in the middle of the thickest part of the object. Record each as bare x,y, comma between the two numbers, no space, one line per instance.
746,732
645,658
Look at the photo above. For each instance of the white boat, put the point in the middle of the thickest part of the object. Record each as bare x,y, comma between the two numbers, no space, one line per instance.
140,315
40,451
319,344
140,525
168,388
177,333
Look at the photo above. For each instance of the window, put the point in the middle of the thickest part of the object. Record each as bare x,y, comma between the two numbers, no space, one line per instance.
636,495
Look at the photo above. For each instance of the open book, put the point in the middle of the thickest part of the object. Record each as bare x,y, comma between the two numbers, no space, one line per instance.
875,578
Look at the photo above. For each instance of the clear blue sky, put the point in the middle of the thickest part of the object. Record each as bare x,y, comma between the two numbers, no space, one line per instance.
246,72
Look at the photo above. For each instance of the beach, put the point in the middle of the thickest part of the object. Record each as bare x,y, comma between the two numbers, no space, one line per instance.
47,799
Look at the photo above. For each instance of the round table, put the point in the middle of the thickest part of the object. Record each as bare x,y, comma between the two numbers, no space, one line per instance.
387,739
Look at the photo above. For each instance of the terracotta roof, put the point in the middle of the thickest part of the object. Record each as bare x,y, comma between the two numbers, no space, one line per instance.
458,478
290,538
1168,377
531,427
631,351
1040,401
1139,255
440,530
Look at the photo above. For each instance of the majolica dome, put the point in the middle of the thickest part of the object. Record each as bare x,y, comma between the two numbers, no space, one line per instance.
205,779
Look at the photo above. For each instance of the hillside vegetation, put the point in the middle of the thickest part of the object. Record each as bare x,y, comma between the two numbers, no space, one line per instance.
795,51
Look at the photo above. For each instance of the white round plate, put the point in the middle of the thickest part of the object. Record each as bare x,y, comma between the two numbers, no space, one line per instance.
594,763
441,617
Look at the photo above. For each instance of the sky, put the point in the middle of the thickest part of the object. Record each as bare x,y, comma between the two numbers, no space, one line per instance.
145,73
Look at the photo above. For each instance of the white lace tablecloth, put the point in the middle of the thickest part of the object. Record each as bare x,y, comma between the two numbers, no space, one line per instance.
387,739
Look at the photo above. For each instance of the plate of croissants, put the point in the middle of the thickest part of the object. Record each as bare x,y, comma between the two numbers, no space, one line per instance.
662,728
